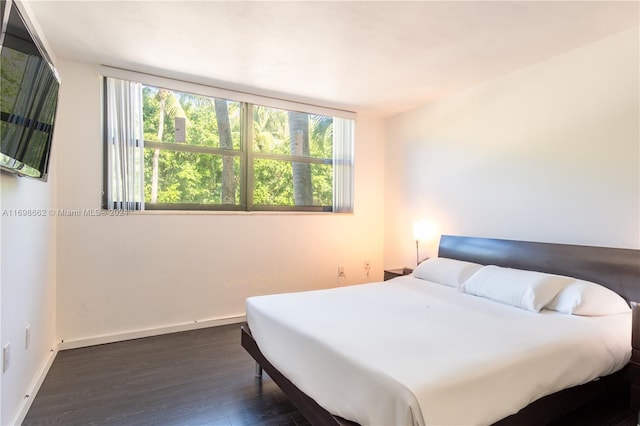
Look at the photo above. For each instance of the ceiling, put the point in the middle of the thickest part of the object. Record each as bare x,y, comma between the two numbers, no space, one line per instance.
380,57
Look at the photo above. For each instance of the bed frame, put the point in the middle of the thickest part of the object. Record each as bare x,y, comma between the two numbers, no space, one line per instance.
617,269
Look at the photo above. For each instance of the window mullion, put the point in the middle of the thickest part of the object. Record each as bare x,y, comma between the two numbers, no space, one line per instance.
170,146
292,158
246,130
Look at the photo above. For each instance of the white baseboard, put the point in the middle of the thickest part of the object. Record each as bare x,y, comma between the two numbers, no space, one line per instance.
34,387
136,334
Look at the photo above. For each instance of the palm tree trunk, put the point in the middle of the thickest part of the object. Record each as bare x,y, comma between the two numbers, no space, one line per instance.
299,145
156,153
224,134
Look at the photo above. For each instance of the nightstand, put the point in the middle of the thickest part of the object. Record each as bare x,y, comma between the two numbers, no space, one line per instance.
392,273
635,356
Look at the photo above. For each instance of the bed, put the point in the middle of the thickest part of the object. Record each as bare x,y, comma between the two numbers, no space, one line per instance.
370,384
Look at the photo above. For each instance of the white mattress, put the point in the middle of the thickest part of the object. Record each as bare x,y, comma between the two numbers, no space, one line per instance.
411,352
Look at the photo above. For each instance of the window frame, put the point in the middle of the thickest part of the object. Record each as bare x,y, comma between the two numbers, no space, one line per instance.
247,155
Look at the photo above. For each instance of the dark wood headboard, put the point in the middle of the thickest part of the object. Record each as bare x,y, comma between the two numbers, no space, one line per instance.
615,268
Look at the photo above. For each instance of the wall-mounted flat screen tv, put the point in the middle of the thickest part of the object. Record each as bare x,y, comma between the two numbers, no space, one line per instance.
28,97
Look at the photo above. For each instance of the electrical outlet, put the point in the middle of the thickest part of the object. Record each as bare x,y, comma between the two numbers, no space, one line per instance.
6,356
27,336
367,267
341,271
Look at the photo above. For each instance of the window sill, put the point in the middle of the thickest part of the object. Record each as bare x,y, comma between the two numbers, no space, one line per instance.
230,213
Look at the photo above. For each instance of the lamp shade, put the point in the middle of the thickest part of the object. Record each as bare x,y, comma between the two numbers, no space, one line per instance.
424,231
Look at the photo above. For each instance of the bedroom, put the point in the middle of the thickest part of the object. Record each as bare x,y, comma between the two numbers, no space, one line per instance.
478,162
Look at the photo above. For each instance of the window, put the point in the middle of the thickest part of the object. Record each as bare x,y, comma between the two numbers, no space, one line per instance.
170,149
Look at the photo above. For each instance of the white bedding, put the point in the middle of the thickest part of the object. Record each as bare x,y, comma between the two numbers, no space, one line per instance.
411,352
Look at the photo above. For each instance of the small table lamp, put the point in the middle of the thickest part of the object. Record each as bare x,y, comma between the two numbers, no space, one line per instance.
423,231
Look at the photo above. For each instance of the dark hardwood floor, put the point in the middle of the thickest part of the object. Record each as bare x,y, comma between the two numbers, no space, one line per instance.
200,377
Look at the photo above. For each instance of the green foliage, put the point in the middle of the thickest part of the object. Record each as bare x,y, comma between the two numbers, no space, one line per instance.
186,177
11,71
197,177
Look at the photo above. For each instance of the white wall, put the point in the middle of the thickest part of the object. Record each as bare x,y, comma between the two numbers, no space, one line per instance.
27,278
118,275
28,263
548,153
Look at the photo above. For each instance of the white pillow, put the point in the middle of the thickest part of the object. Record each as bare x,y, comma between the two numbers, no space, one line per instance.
449,272
588,299
516,287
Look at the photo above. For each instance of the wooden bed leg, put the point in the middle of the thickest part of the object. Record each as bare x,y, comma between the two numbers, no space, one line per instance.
258,371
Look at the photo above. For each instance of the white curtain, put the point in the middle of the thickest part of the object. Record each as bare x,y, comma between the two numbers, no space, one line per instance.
343,141
125,145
